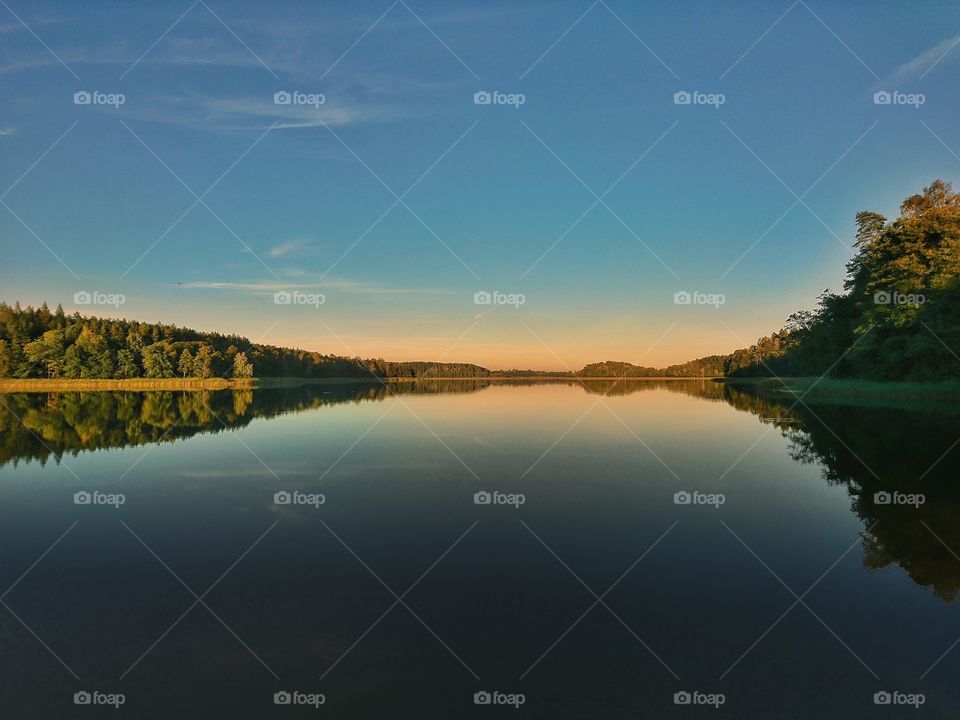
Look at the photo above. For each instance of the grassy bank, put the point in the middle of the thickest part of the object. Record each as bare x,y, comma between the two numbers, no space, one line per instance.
8,385
12,385
909,395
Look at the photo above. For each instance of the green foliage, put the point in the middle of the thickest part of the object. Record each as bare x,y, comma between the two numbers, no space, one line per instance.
241,366
127,366
710,366
899,318
203,362
37,343
186,364
5,359
158,360
88,357
48,350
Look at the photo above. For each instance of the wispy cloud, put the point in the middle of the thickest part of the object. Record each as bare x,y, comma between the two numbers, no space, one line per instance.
258,113
295,48
289,247
7,131
345,286
924,62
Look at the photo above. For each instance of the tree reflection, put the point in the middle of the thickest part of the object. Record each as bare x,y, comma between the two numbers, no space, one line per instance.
46,427
871,450
866,450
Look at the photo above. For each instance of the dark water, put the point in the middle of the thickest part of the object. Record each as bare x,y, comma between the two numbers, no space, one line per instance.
398,596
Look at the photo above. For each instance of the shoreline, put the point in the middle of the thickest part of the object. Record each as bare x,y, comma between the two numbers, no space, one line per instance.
818,390
18,385
28,385
941,396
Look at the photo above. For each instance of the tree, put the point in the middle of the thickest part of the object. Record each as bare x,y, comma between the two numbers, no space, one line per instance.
157,362
89,357
898,317
241,366
6,366
127,366
48,352
203,363
185,366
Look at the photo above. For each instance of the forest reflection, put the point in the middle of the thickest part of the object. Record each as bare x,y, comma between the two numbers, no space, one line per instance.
866,450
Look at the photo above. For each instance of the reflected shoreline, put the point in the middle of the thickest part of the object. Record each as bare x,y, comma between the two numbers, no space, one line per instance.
860,448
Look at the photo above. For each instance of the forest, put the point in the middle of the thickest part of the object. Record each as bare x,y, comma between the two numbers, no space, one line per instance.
899,315
710,366
40,343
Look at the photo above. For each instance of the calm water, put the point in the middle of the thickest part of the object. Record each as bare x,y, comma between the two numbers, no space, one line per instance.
492,597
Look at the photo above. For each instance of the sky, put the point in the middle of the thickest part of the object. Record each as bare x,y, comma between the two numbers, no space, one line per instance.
580,200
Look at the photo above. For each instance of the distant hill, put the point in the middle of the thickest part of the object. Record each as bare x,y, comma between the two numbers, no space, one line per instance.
710,366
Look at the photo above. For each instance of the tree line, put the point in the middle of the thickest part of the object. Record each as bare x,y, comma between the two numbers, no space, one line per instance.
710,366
898,317
43,343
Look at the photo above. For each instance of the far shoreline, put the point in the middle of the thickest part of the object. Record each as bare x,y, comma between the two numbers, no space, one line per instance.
27,385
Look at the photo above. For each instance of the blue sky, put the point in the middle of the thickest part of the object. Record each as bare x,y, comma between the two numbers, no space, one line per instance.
304,198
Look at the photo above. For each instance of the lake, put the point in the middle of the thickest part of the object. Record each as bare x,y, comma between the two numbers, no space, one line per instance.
464,548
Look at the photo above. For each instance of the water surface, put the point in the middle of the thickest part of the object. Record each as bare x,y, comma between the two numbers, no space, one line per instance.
599,596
